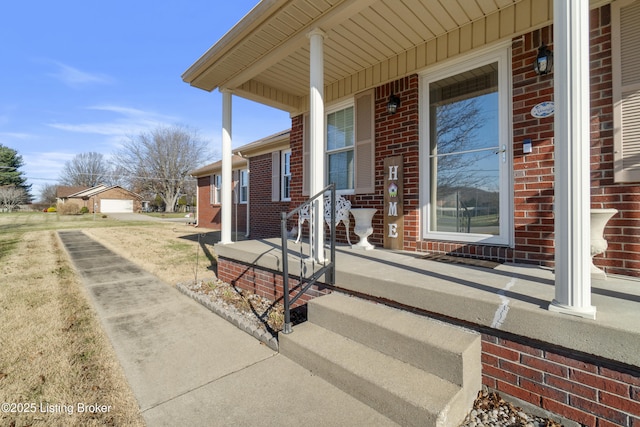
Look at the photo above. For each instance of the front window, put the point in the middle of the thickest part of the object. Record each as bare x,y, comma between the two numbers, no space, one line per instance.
244,186
340,143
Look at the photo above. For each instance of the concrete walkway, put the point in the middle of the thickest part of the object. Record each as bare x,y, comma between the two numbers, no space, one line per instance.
187,366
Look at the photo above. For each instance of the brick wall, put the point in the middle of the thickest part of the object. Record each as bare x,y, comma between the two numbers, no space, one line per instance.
593,393
210,216
265,214
265,283
533,173
623,230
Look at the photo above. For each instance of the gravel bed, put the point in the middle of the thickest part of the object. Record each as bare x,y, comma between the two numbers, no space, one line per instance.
490,409
262,319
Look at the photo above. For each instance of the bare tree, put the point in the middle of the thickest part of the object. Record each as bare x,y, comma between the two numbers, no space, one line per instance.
12,196
48,194
86,169
158,161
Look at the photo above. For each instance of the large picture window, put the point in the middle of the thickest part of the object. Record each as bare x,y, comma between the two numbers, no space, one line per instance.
468,156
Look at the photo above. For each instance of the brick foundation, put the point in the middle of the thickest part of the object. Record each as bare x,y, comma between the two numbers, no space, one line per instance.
592,392
266,283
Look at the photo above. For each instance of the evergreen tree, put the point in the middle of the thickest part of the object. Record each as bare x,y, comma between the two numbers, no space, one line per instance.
10,162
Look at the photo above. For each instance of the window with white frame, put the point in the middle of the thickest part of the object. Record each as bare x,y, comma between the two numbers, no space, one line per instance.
285,181
244,186
350,146
340,148
215,183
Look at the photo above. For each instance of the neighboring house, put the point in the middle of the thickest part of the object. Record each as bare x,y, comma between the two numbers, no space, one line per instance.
261,176
438,105
101,198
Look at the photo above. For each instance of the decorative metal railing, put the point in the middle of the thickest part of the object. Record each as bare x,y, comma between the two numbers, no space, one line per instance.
317,269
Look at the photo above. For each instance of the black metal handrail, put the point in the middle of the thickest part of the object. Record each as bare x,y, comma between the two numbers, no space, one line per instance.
328,269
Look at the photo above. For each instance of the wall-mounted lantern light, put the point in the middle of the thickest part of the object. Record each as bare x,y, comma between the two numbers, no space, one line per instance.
393,104
544,61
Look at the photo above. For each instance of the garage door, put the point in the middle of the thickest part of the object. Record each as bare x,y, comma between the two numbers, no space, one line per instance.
116,205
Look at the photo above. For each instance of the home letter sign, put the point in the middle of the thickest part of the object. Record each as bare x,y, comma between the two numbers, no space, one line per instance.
393,206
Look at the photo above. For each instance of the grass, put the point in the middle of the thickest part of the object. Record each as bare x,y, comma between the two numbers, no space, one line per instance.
53,350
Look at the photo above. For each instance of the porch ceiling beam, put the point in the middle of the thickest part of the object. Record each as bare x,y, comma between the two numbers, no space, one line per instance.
333,17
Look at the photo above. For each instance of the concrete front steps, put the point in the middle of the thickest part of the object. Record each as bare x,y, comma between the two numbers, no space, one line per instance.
414,370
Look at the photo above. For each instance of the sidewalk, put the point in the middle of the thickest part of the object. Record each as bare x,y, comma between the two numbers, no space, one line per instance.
188,366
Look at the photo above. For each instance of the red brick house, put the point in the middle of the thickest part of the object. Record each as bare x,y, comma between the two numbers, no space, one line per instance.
101,198
493,159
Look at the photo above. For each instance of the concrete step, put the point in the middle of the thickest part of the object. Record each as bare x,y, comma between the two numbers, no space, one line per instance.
414,370
451,353
403,393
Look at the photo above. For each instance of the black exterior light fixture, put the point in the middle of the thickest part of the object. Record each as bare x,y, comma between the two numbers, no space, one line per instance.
544,61
393,104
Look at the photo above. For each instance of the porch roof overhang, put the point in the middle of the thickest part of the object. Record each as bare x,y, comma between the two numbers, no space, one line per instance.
265,57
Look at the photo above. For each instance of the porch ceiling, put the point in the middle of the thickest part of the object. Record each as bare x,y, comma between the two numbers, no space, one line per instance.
265,57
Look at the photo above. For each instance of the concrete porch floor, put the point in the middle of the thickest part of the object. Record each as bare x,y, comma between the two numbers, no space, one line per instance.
511,298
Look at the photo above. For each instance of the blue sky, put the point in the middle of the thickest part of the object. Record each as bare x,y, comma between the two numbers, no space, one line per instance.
80,76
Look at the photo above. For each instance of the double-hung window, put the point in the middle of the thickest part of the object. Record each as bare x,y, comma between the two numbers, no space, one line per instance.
244,186
285,180
215,183
350,146
340,148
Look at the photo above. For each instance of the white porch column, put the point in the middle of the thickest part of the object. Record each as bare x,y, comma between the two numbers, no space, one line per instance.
316,139
572,151
226,190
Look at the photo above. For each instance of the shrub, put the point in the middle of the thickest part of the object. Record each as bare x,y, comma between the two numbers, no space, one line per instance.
52,209
84,210
68,209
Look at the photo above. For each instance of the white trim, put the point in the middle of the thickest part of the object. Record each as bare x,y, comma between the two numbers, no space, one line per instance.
500,53
283,163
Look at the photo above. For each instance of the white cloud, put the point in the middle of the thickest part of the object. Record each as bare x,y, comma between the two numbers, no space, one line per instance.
14,135
75,78
128,122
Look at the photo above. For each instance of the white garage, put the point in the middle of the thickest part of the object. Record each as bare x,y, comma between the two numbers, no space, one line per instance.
116,205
